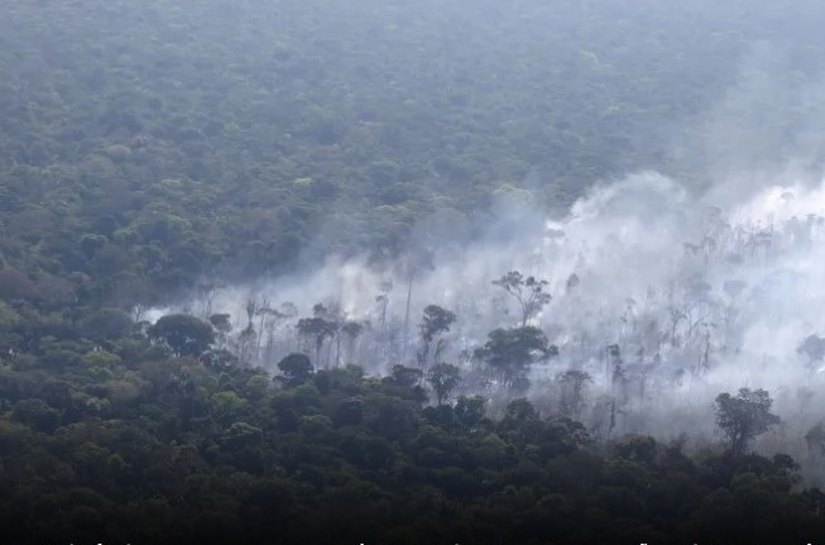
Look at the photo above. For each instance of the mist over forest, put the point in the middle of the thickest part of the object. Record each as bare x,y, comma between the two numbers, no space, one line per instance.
320,271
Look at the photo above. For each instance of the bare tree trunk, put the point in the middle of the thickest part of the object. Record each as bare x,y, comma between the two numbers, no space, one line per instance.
407,319
318,346
382,339
270,334
263,310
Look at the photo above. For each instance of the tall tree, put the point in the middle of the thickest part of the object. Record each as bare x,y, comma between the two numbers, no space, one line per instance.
443,377
185,335
814,348
436,321
510,352
319,328
352,329
745,416
528,292
416,261
572,385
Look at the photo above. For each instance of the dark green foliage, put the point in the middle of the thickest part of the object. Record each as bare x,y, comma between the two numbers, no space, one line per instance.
745,416
318,330
436,320
510,352
37,414
106,323
220,138
191,451
221,322
219,360
185,335
469,411
572,392
220,158
404,377
443,377
405,382
296,369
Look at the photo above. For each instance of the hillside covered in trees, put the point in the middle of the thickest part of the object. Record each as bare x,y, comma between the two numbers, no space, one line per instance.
155,153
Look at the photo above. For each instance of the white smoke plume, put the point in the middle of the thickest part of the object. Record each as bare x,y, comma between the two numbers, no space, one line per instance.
698,298
664,293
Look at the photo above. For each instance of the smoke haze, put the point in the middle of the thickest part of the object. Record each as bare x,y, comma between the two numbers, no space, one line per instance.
706,279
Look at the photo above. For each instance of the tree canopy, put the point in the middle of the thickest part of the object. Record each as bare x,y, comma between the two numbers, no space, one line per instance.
745,416
150,150
185,335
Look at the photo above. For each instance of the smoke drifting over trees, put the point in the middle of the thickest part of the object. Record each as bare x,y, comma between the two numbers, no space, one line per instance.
384,271
673,299
655,292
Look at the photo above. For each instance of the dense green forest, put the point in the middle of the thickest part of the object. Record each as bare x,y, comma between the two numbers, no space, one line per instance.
147,148
144,144
132,446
